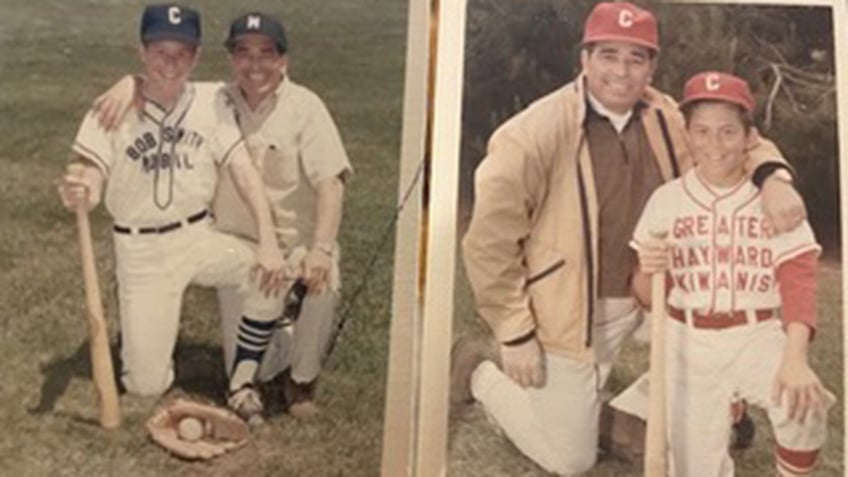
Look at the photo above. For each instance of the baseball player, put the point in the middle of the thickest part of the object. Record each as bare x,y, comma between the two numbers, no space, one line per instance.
729,276
295,144
160,170
546,253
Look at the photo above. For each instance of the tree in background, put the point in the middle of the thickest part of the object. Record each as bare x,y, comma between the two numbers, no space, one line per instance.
518,51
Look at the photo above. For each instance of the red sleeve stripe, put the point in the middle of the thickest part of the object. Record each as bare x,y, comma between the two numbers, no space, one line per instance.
796,280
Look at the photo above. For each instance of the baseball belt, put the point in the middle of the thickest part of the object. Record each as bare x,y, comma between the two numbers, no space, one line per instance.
719,321
161,229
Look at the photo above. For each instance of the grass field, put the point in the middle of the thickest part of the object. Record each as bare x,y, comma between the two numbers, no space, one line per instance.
59,56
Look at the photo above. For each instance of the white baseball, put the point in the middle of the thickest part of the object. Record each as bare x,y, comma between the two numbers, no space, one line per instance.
190,428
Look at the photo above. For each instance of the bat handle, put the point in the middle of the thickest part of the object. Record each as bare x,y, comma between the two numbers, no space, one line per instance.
102,370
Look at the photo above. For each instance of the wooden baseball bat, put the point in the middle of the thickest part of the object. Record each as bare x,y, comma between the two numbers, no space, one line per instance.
102,370
655,443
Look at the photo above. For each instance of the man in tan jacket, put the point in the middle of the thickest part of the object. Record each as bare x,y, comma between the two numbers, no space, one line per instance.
557,198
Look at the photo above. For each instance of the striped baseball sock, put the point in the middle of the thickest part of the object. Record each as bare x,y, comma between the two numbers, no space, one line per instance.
792,463
253,339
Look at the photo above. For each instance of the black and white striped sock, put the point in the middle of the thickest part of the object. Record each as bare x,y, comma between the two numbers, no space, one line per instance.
253,339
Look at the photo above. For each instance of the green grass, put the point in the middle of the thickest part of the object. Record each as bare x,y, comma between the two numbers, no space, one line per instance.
351,52
478,448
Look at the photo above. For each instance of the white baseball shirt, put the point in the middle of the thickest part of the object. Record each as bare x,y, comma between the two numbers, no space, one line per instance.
723,257
163,167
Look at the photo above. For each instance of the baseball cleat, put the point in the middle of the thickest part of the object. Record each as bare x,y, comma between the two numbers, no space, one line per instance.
300,398
247,404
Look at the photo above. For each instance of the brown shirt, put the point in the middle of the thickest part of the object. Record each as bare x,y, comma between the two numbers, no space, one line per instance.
626,173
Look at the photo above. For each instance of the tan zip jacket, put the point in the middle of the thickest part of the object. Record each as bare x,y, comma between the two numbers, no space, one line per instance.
531,250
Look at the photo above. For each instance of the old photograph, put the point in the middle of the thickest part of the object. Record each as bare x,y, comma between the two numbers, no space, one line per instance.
226,175
619,158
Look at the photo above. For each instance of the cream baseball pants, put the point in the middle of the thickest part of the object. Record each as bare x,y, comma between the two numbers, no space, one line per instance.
153,271
556,426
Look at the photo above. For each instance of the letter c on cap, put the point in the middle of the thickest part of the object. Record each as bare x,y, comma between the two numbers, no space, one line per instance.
253,22
625,19
174,15
711,82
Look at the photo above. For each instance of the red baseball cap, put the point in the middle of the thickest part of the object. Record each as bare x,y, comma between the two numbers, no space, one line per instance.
719,86
621,21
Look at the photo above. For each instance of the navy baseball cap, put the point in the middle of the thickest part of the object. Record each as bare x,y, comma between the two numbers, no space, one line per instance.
260,23
170,22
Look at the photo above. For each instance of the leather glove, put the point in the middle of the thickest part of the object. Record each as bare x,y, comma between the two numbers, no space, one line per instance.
222,430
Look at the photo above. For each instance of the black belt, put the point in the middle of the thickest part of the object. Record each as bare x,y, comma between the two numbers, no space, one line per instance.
162,229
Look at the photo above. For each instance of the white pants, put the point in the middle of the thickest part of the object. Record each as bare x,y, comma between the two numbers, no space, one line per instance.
153,271
706,370
557,425
300,346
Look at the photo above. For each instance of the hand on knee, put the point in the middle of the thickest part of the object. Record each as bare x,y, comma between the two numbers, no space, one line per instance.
524,362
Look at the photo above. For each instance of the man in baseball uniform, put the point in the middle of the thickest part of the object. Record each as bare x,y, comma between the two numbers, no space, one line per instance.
296,147
546,254
729,275
160,170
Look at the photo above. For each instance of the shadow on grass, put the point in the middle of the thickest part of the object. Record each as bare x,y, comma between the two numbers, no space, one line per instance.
199,371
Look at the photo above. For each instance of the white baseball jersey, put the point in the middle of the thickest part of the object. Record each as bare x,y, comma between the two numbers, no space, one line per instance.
163,167
723,256
723,259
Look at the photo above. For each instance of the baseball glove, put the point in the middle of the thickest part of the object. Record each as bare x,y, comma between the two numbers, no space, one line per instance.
222,431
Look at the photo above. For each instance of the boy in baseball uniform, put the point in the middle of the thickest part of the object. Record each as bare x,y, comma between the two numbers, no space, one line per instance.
160,171
741,306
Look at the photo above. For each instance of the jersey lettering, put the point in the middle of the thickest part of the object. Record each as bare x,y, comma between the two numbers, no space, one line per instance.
146,149
166,161
721,254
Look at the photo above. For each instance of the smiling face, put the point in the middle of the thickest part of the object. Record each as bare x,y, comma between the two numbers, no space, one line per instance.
719,138
617,73
168,65
257,66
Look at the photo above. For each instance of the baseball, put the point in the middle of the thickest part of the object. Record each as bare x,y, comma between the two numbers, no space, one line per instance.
190,428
